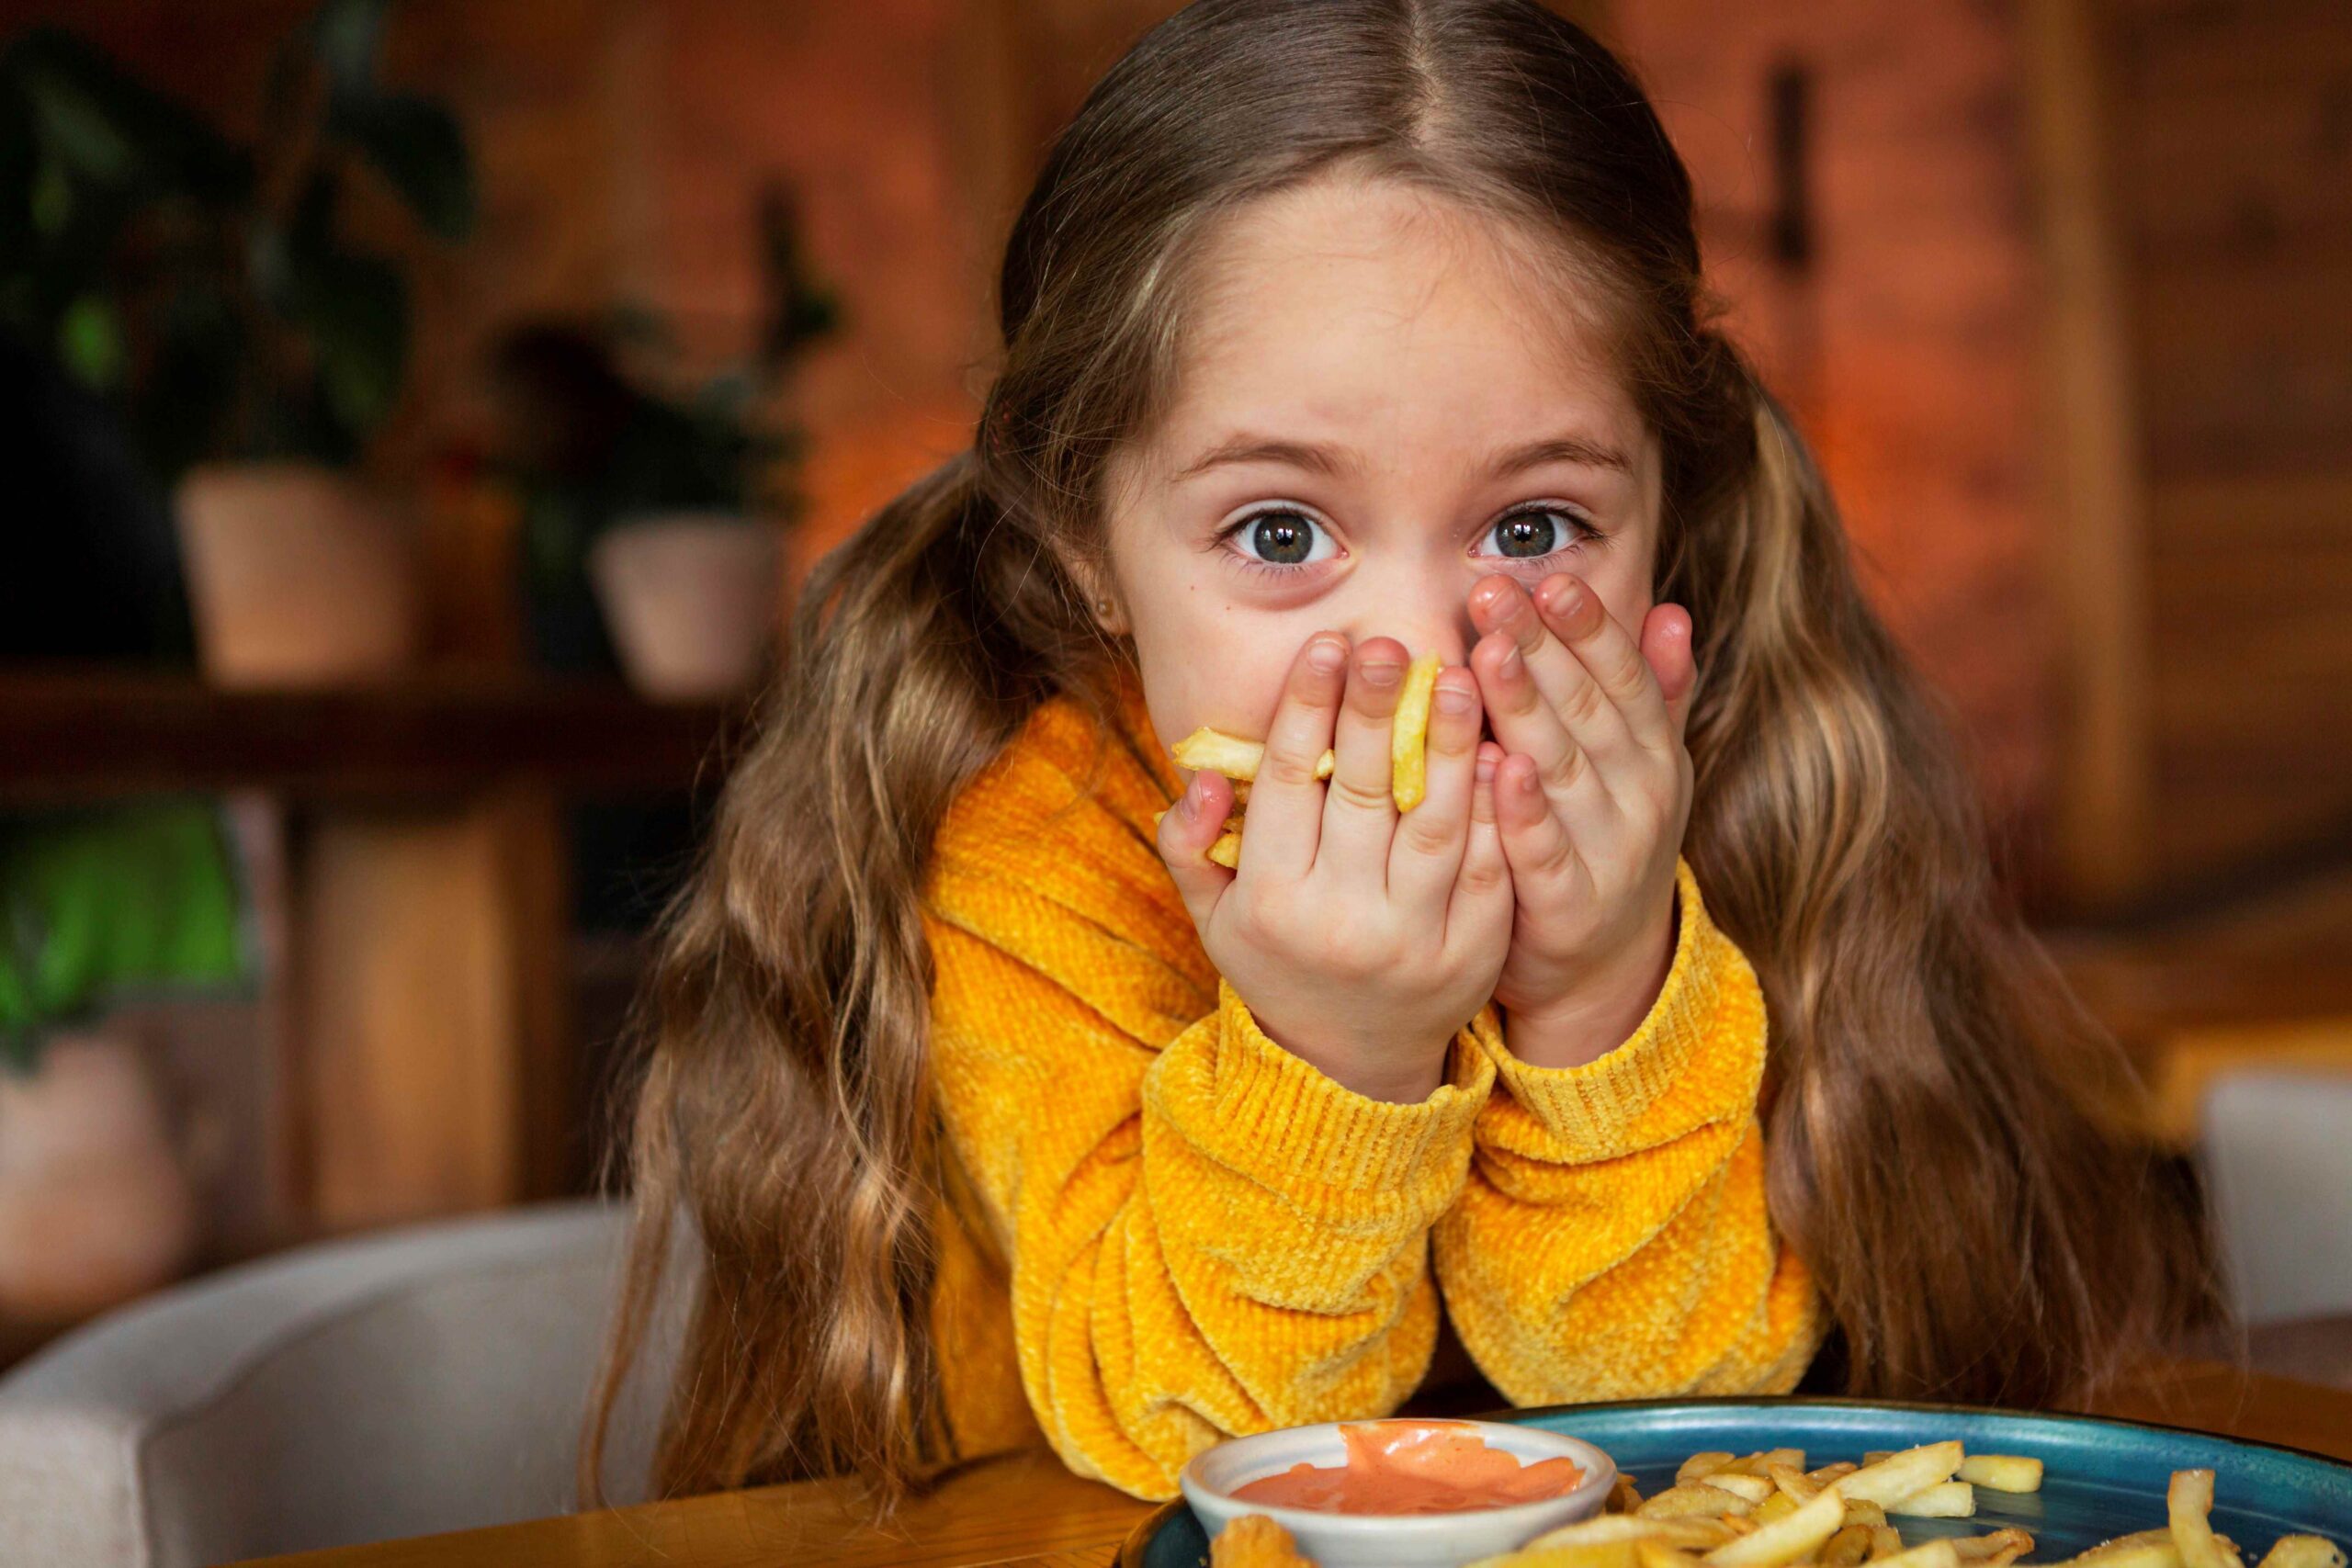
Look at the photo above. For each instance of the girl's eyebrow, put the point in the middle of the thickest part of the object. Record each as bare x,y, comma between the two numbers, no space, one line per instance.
1335,461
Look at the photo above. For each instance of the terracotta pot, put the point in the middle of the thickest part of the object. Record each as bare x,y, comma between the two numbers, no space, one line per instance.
298,576
691,600
95,1205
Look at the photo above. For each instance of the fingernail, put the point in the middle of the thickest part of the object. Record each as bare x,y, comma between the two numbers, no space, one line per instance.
1453,699
1383,674
1510,663
1527,782
1486,761
1326,654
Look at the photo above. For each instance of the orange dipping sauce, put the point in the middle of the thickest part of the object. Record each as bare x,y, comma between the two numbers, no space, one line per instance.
1413,1467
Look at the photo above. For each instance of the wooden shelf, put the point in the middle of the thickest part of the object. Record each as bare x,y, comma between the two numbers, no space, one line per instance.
71,736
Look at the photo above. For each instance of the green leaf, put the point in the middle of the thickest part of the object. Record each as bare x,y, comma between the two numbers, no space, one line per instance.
89,342
415,144
96,904
52,199
357,308
348,38
108,126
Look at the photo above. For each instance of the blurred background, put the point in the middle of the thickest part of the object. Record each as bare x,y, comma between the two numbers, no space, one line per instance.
418,414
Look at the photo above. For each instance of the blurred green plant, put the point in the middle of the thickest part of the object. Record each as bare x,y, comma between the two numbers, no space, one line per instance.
606,421
209,288
102,906
727,444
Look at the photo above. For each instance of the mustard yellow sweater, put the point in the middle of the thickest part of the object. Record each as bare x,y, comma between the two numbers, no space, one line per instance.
1162,1229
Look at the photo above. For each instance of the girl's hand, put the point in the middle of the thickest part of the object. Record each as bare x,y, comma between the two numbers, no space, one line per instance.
1362,939
1591,800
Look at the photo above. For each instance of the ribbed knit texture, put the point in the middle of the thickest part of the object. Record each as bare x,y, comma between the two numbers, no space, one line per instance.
1162,1229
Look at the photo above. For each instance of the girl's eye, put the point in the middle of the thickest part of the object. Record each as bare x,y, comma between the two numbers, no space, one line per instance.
1282,539
1536,532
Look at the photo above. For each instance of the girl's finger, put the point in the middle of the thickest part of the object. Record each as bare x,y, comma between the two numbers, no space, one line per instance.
1359,806
1286,798
1546,872
1501,606
1666,647
1186,831
1574,613
1427,853
1479,917
1527,725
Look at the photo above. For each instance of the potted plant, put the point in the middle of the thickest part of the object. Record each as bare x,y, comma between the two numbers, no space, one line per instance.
97,906
209,289
670,499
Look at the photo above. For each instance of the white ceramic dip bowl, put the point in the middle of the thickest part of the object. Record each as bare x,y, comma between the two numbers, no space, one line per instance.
1393,1540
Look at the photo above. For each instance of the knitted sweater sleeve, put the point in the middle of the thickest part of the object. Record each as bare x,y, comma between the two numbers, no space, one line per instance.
1204,1234
1611,1240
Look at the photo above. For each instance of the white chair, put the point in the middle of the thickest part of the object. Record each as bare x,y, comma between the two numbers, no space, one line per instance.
432,1379
2277,1154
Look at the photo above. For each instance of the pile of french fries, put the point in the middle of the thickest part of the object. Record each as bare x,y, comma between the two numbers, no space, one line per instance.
1767,1511
1239,760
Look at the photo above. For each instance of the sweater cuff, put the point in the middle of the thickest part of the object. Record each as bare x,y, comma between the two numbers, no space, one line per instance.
1709,1016
1257,1110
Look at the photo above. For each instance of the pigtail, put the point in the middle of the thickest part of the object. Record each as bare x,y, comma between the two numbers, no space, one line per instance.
1947,1131
786,1112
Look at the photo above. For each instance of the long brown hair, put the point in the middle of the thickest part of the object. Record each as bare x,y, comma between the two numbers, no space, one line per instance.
1941,1120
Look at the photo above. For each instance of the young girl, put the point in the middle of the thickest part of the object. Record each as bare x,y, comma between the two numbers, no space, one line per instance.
1676,1031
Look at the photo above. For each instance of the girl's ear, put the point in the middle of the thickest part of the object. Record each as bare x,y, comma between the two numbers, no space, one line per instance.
1101,600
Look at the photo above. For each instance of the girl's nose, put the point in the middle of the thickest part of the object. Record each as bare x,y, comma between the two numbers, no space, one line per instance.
1441,626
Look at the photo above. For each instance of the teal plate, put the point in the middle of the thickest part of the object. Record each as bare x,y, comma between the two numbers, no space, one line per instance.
2101,1479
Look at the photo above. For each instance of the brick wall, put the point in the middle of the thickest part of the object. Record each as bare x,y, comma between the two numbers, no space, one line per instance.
1907,345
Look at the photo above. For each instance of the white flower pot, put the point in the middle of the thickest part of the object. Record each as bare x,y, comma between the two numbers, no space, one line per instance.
95,1205
298,576
691,600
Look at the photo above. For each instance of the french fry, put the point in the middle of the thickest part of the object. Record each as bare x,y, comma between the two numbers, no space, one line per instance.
1999,1549
1849,1547
2002,1472
2159,1537
1983,1548
1597,1554
1945,1500
1233,756
2189,1501
1658,1554
1253,1541
1695,1499
1409,734
1603,1530
2142,1554
1934,1554
1624,1496
1227,850
1755,1488
1787,1539
1889,1480
2303,1552
1837,1518
1874,1455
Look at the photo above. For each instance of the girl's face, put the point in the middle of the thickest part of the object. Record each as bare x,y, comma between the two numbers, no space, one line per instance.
1378,407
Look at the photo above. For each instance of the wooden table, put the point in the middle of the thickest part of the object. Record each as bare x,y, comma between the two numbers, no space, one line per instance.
1026,1511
